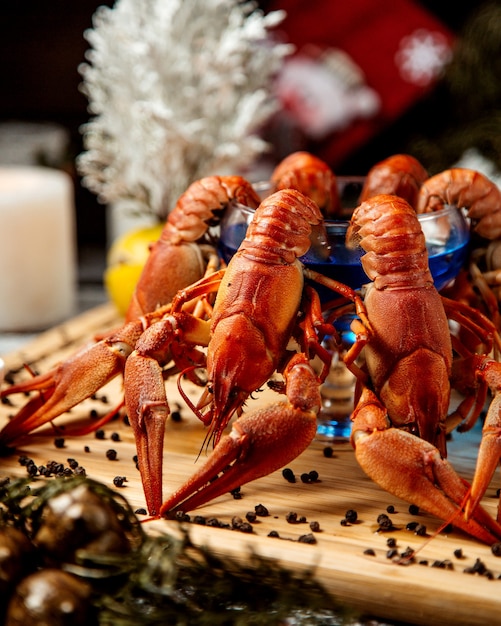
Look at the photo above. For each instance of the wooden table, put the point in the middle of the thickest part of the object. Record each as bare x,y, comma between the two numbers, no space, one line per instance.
416,593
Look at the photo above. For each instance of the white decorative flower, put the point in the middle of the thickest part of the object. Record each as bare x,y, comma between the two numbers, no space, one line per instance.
422,55
177,90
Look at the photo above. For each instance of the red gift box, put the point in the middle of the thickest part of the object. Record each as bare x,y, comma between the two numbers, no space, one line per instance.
358,66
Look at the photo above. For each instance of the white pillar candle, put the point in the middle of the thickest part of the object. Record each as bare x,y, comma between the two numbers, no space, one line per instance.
37,248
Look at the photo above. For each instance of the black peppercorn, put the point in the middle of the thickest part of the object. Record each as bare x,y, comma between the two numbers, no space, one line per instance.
261,510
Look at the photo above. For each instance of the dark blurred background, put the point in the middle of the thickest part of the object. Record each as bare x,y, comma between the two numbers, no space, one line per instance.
42,44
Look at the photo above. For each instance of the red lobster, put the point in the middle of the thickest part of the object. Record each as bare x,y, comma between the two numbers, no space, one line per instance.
259,298
400,419
312,177
400,175
481,198
409,371
177,259
468,189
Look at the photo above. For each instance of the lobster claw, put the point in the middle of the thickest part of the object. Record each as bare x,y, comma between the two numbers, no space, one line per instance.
413,469
69,383
258,444
489,453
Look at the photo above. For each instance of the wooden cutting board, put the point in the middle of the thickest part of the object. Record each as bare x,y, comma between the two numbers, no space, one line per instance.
418,593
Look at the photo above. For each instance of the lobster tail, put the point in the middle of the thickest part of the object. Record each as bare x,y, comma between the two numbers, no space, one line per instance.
387,227
282,226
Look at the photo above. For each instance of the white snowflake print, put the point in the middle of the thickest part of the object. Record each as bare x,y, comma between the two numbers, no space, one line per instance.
422,56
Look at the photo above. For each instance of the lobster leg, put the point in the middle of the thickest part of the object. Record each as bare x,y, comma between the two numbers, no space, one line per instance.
489,453
69,383
413,469
258,444
145,397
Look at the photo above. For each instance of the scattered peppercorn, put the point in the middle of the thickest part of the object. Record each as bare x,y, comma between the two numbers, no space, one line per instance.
250,516
236,493
458,553
420,530
384,522
119,481
140,511
479,567
390,509
245,527
412,526
86,449
181,516
115,436
391,542
261,510
175,416
370,552
273,533
445,564
313,474
32,469
59,442
351,516
328,452
496,549
309,538
99,434
291,517
315,527
414,509
93,413
289,475
73,463
111,455
344,522
392,553
200,520
408,554
305,477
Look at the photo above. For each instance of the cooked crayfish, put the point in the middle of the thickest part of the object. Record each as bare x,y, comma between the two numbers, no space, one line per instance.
178,258
400,175
481,198
312,177
465,188
259,297
409,368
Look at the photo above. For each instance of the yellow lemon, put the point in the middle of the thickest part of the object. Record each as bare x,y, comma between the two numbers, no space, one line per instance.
124,264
